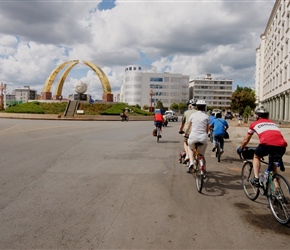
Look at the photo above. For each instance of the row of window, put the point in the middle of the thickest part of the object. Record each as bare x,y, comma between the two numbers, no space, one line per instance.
214,82
212,87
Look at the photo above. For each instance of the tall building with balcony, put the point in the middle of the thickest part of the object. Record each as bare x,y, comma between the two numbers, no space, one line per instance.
166,87
216,92
272,78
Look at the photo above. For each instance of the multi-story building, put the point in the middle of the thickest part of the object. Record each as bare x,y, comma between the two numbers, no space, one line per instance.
24,94
216,92
272,80
140,81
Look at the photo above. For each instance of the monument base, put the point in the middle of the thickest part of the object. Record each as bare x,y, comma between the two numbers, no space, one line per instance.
108,97
78,97
46,95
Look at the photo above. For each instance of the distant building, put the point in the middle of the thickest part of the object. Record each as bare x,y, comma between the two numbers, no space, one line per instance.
272,79
166,87
24,94
216,92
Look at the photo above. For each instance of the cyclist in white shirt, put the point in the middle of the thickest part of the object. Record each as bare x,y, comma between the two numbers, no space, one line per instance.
199,127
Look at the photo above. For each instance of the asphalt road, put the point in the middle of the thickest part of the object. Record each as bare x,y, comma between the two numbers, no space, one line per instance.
109,185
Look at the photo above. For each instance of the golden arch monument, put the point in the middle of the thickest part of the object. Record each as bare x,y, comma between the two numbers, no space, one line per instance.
46,91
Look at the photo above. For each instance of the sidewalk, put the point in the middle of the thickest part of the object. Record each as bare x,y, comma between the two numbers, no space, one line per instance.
74,118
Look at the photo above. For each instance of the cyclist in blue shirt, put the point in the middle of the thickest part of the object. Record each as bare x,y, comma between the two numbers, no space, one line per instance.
219,126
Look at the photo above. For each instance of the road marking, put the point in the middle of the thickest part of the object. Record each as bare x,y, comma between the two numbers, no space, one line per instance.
9,128
27,130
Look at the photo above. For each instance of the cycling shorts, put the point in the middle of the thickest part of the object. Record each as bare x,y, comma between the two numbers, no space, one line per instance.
264,150
158,124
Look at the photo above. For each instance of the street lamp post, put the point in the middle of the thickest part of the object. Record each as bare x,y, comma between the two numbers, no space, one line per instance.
151,94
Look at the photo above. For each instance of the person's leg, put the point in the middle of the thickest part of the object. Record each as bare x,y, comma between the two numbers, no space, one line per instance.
185,145
256,165
222,143
214,143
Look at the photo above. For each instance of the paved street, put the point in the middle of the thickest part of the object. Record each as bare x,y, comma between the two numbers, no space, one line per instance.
109,185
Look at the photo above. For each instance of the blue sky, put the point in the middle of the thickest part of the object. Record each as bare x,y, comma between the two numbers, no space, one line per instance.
190,37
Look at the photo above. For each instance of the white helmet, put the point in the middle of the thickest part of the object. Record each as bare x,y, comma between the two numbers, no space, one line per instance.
200,103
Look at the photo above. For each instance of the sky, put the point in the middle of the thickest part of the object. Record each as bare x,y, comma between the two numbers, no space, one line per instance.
189,37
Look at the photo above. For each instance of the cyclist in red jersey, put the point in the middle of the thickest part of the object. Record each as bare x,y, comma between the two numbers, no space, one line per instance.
158,121
271,140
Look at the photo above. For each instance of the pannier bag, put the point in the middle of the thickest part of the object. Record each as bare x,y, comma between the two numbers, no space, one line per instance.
154,133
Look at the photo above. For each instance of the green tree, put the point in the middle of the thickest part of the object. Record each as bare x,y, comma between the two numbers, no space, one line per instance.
241,98
182,107
174,106
159,105
247,113
145,107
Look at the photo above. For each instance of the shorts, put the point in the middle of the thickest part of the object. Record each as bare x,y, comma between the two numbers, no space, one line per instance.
201,149
158,124
264,150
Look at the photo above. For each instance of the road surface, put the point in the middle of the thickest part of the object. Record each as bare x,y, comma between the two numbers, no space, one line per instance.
109,185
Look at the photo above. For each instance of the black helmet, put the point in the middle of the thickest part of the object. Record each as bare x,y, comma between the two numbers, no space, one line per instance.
192,102
262,112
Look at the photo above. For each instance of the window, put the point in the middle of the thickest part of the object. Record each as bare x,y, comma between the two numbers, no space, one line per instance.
156,79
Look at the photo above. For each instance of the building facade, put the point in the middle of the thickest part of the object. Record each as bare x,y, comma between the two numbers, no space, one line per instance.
140,81
216,92
272,79
24,94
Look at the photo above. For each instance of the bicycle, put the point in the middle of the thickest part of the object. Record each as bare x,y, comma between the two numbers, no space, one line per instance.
218,149
273,185
158,127
199,167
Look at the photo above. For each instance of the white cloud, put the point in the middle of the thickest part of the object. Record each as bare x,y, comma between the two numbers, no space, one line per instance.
187,37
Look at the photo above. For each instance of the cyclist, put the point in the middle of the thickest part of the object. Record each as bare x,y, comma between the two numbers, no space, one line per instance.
219,126
199,122
158,121
211,118
271,140
184,124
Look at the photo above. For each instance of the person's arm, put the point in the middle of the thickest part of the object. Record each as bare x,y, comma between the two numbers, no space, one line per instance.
188,129
246,140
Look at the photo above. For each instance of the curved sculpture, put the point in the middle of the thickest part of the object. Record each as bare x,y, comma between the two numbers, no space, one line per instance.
46,91
104,80
49,81
59,86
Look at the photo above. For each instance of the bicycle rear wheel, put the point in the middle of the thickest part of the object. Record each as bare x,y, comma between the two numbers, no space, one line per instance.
278,193
218,152
251,191
199,176
158,134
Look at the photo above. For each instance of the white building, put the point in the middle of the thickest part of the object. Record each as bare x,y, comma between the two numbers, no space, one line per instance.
216,92
167,87
24,94
272,81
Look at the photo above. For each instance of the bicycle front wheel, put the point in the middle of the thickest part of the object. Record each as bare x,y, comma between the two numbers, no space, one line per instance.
251,191
278,193
199,176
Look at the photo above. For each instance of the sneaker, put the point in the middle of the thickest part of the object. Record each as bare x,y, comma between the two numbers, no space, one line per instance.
189,168
160,136
255,182
222,152
213,149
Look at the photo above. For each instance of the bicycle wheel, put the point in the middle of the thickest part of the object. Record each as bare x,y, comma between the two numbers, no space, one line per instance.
278,194
218,152
211,136
158,134
199,176
251,191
